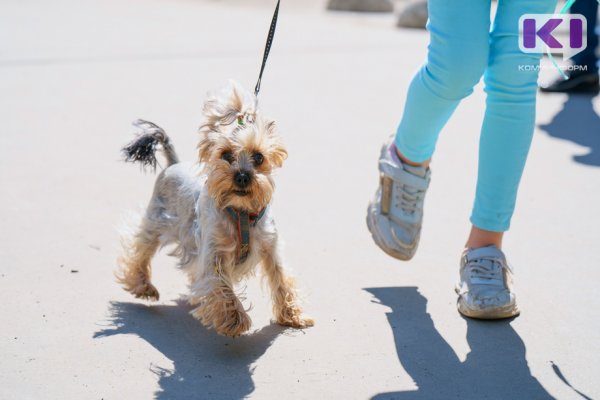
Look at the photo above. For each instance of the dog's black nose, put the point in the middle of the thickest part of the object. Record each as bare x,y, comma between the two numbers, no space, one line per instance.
242,179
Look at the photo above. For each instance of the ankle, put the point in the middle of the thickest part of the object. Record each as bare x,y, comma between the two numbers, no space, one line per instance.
424,164
482,238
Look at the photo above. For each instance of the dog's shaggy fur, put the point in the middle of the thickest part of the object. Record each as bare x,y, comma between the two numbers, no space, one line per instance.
190,207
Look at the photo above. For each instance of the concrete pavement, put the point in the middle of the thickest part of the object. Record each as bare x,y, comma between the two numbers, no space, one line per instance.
74,74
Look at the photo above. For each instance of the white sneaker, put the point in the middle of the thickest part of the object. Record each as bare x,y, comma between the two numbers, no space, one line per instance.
395,215
484,290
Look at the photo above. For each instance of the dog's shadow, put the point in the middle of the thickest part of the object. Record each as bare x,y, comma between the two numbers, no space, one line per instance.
496,367
205,365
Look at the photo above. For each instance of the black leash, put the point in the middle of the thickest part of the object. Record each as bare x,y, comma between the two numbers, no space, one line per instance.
267,47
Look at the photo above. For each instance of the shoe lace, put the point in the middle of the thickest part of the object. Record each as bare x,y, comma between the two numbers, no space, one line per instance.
407,198
487,269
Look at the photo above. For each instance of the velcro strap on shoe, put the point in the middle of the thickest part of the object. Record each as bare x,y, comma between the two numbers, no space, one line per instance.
403,177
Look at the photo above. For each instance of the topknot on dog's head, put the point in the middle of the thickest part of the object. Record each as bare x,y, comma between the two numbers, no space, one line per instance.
232,119
233,104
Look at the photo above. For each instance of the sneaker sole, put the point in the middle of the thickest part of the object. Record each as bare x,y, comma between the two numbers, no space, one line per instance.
509,311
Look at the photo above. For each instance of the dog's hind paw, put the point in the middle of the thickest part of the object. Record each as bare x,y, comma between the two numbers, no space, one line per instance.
145,291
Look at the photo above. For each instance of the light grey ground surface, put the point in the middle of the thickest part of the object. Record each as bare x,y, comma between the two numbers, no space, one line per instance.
74,74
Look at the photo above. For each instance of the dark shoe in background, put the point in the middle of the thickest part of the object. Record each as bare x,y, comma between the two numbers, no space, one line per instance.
578,82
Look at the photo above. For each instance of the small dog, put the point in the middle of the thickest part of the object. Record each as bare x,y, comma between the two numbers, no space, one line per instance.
216,212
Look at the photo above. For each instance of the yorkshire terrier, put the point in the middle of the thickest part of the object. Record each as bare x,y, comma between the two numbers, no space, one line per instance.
217,213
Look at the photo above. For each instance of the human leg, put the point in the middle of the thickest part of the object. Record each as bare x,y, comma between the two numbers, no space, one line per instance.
457,56
485,286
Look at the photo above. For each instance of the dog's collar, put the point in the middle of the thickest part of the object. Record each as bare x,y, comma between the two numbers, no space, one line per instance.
243,220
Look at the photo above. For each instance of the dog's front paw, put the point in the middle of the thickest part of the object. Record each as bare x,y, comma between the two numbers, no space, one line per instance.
227,318
145,291
237,322
293,316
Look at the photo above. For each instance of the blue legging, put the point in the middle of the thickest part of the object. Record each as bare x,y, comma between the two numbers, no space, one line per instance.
461,50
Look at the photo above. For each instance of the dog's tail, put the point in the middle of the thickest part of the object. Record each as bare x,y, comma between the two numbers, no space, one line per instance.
143,148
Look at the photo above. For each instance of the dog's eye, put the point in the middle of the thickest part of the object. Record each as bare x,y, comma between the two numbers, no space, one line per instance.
227,156
258,158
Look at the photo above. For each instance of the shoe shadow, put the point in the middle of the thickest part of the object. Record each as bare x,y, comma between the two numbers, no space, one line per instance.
496,367
205,365
579,123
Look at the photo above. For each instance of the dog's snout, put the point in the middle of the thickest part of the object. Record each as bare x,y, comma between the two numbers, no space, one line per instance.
242,179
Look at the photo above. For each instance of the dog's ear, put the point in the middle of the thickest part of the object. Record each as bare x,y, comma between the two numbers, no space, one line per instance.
277,151
206,145
278,154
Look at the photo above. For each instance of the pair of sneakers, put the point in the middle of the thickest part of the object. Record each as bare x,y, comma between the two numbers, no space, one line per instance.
394,218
